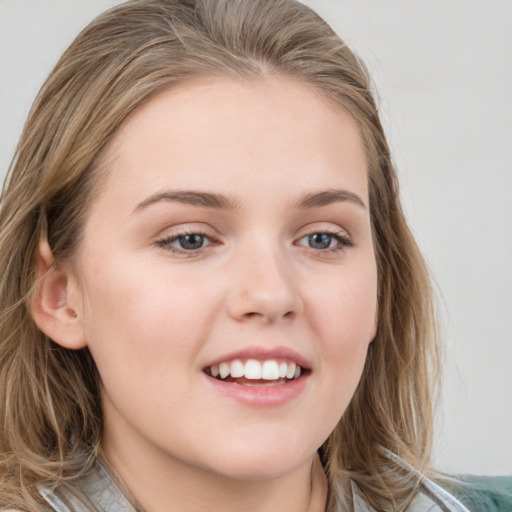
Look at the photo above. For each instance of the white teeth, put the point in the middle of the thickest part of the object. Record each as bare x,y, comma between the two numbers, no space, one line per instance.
270,370
224,370
291,370
237,369
252,369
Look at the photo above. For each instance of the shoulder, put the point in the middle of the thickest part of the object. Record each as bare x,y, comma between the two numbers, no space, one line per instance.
432,497
97,492
429,497
489,493
465,494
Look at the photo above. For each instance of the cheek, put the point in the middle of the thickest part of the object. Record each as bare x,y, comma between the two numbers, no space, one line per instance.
133,314
345,308
143,336
345,321
130,291
120,306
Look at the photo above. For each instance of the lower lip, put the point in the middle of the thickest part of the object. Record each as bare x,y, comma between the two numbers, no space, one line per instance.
260,396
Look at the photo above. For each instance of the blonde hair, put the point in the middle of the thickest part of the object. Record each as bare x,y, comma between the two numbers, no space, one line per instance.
49,405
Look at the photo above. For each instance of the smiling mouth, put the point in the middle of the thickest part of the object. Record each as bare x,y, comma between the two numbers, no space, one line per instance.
252,372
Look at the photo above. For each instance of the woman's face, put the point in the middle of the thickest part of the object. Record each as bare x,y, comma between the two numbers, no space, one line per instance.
233,235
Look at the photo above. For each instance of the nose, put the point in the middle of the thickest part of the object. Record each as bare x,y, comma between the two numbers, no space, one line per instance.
263,287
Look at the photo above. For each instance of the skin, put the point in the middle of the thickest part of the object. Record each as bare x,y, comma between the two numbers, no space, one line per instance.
154,314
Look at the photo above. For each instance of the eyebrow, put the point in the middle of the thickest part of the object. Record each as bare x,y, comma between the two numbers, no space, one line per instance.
193,198
216,201
327,197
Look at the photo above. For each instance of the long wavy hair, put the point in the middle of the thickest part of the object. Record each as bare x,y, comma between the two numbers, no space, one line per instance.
50,411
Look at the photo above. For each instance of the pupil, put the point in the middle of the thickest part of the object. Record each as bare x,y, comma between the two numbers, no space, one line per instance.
320,241
190,242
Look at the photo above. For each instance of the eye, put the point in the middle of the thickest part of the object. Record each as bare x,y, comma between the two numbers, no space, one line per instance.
320,241
325,241
191,242
185,243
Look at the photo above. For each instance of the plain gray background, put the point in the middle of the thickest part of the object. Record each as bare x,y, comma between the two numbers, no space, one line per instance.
443,70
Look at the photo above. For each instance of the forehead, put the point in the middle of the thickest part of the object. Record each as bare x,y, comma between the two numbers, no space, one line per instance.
201,131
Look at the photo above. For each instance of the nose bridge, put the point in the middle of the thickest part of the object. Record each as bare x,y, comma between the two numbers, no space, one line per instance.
264,284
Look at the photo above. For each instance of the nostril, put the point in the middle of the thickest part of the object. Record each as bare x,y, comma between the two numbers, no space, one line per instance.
271,317
252,314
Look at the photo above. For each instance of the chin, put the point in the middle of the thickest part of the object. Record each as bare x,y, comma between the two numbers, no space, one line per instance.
262,459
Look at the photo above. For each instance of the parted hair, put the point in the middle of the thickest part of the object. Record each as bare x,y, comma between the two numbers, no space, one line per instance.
50,410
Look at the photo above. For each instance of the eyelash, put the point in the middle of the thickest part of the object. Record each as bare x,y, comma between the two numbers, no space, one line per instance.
343,240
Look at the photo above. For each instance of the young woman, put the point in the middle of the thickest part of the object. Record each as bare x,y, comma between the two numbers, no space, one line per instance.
210,298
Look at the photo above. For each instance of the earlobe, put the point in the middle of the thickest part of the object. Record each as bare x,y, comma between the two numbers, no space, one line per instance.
51,307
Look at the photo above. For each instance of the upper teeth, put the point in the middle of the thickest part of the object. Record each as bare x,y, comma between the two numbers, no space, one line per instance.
253,369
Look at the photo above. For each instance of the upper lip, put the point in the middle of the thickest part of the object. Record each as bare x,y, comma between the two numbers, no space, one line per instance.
262,354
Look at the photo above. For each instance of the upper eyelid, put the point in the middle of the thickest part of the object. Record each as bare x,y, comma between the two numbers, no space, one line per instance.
177,231
332,230
206,233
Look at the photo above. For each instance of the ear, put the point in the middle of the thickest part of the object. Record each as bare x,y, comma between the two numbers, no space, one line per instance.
54,305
